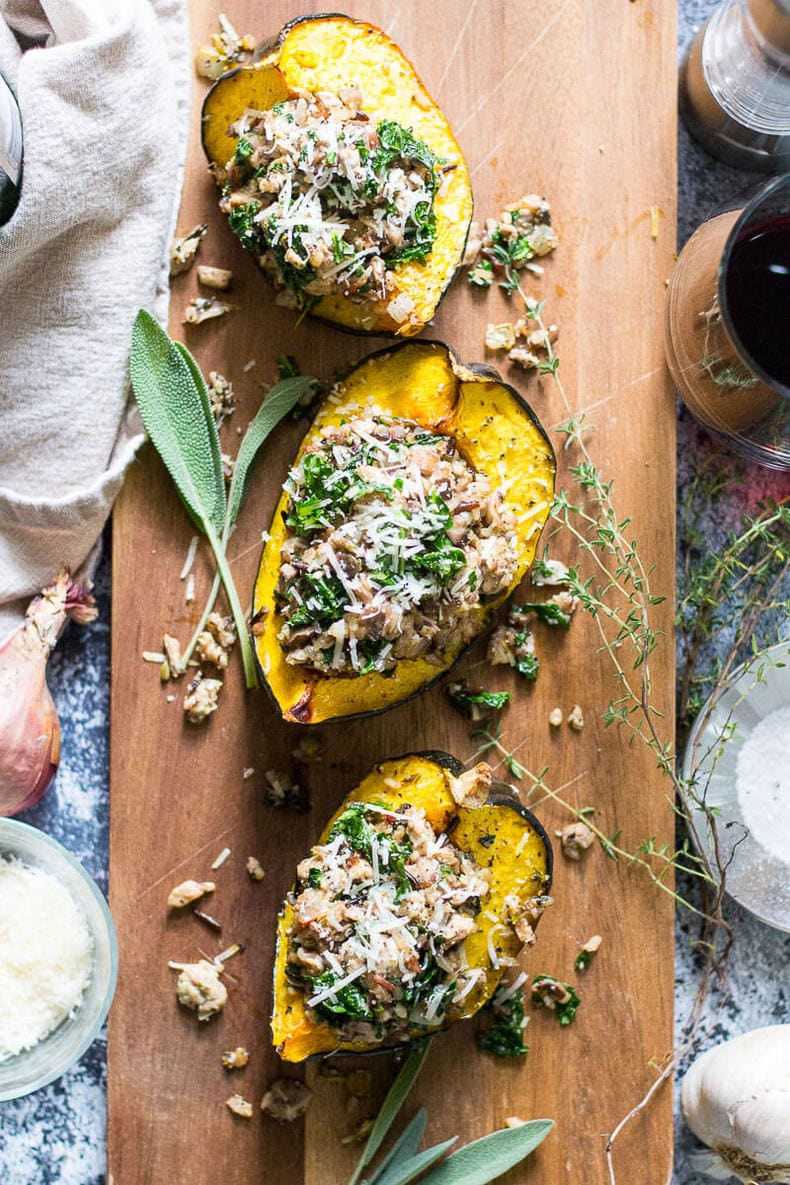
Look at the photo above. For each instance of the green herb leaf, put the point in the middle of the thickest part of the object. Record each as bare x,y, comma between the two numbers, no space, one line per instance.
176,411
288,367
489,1157
504,1036
249,233
527,664
404,1147
546,612
565,1011
392,1104
174,403
282,398
482,274
397,142
475,702
323,599
349,1001
444,561
404,1173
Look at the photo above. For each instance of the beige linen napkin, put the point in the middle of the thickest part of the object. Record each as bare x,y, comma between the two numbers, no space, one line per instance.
104,98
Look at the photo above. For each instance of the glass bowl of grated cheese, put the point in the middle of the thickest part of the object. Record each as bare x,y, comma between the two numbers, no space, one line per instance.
58,959
739,753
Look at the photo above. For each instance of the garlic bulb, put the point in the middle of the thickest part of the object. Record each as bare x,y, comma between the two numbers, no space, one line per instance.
736,1099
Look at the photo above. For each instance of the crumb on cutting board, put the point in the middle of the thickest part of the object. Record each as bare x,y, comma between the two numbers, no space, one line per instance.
286,1099
187,892
200,988
239,1106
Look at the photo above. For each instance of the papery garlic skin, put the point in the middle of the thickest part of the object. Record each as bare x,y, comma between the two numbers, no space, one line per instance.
736,1099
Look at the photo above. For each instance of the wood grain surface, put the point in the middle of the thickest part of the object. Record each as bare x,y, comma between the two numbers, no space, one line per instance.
574,99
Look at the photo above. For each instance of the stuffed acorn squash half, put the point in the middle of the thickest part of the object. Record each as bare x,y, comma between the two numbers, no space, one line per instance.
412,510
341,175
419,894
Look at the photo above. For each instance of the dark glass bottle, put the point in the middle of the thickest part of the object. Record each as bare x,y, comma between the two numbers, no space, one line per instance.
10,151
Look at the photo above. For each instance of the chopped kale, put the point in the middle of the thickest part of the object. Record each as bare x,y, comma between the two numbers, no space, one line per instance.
418,246
474,702
287,367
330,493
398,143
293,276
504,1035
359,836
369,652
349,1001
314,878
561,998
444,560
583,960
546,612
438,504
243,152
423,986
526,664
353,825
320,599
398,855
249,233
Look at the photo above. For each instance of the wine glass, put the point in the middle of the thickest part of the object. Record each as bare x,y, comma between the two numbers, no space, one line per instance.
728,323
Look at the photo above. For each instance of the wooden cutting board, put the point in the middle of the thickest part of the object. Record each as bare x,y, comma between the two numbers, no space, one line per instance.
574,99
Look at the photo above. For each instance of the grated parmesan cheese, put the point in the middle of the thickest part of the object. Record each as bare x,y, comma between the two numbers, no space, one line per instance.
46,955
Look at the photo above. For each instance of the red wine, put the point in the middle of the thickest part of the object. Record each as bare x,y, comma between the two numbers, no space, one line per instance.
757,286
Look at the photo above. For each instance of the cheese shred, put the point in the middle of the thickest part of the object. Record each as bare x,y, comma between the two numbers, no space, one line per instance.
46,955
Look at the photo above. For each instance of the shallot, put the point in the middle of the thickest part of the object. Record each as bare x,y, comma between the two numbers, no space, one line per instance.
29,726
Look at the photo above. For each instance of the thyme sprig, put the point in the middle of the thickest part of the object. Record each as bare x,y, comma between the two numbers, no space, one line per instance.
732,597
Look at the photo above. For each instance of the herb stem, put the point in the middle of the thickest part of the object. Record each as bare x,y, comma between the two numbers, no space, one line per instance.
201,625
239,619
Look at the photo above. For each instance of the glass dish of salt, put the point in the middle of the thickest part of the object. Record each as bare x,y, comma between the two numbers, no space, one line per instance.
740,749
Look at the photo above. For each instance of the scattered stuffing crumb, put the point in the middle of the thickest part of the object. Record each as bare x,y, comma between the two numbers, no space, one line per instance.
239,1106
236,1059
286,1099
187,892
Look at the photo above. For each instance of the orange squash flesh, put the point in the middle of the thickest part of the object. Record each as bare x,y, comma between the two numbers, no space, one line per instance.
520,859
495,431
327,53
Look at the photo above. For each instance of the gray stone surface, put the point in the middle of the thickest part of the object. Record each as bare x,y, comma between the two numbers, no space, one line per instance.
56,1137
758,987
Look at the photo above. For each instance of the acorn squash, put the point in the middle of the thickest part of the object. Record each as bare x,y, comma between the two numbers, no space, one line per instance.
331,53
500,835
494,430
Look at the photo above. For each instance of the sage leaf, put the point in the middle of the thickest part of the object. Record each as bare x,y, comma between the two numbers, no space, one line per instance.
489,1157
282,398
404,1147
409,1170
392,1104
176,411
